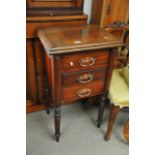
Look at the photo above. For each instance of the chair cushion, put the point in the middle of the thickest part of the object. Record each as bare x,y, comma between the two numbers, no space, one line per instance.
119,90
125,72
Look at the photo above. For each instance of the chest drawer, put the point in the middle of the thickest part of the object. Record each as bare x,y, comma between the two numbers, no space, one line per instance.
78,92
84,61
83,77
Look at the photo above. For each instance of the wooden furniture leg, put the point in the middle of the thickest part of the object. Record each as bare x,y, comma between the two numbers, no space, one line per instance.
57,116
126,130
47,94
56,92
101,111
112,118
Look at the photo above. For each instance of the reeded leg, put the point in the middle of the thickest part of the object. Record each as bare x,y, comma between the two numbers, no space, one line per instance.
112,118
57,116
101,111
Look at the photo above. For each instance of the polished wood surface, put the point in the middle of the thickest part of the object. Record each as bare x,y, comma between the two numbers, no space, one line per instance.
36,22
82,91
85,60
73,55
83,77
59,40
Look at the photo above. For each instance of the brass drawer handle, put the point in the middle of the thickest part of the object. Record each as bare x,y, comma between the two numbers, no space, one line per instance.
86,78
87,61
84,92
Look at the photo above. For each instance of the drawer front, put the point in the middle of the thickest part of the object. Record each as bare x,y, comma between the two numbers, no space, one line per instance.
84,61
78,92
83,77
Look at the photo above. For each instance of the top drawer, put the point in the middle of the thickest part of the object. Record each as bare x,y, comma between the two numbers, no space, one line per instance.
84,61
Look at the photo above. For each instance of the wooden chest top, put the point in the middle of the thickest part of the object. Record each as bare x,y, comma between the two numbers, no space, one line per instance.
57,40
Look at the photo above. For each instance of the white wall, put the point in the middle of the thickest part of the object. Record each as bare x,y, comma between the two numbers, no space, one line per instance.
87,8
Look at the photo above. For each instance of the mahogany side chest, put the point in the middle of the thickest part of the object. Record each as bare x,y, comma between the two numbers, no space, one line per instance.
79,63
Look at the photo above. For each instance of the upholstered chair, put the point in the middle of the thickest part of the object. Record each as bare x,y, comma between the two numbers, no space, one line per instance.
118,95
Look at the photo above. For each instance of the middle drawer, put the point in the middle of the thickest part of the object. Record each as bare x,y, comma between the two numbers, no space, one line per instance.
83,77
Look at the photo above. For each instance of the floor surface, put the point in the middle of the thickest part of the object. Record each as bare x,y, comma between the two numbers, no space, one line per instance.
79,134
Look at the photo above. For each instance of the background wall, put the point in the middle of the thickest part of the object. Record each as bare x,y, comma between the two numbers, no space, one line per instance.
87,8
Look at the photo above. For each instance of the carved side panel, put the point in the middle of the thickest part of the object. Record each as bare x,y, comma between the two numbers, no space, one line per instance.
31,71
35,71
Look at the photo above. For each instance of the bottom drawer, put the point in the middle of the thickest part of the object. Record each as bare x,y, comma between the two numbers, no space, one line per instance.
87,90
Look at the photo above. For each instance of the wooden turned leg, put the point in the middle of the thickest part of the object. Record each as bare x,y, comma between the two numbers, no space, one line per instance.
126,130
101,111
57,116
47,94
112,118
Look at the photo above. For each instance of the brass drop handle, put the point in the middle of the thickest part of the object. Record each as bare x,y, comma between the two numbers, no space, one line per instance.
86,78
84,92
87,61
